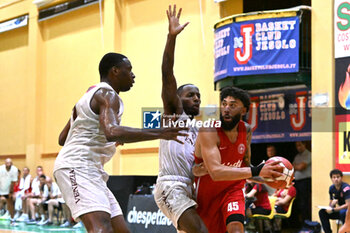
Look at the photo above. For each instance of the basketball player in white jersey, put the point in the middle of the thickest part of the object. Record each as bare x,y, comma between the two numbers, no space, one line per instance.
174,193
89,141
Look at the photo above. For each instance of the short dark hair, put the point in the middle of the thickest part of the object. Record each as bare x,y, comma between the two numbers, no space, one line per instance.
238,93
42,176
336,172
108,61
181,88
39,167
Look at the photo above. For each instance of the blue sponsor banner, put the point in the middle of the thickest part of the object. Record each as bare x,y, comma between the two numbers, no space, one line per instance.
254,47
280,116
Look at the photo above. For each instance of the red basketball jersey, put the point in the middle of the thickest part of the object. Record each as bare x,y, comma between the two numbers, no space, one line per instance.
213,195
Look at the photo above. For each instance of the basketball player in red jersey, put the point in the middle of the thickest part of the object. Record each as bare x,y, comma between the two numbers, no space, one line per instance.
225,152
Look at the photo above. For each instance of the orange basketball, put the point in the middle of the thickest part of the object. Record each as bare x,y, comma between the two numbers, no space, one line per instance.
287,170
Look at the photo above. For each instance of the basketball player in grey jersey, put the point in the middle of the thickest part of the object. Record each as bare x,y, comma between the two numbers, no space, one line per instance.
174,193
88,142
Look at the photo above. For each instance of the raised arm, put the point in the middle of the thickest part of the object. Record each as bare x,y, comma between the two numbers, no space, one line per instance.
106,103
171,100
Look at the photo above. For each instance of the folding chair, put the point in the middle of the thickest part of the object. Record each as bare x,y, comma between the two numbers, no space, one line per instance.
262,217
286,215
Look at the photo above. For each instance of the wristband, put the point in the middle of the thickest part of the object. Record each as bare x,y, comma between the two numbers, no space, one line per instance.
256,170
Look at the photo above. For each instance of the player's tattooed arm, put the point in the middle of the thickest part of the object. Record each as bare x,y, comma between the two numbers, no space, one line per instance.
246,158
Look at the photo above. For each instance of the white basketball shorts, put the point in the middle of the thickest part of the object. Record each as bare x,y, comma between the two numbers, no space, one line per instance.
85,190
173,198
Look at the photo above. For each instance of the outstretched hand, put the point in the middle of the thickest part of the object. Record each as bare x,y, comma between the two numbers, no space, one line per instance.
174,25
172,133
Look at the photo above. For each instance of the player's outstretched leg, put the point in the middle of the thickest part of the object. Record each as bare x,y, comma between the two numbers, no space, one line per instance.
190,222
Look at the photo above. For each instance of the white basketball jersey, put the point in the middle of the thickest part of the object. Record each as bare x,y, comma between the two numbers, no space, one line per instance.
175,159
86,144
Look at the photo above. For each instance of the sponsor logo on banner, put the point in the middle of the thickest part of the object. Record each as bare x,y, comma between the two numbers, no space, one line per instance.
341,28
342,85
344,90
143,215
14,23
242,48
148,218
343,142
342,111
298,119
272,120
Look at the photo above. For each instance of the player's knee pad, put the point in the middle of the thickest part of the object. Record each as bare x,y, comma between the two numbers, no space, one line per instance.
235,218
